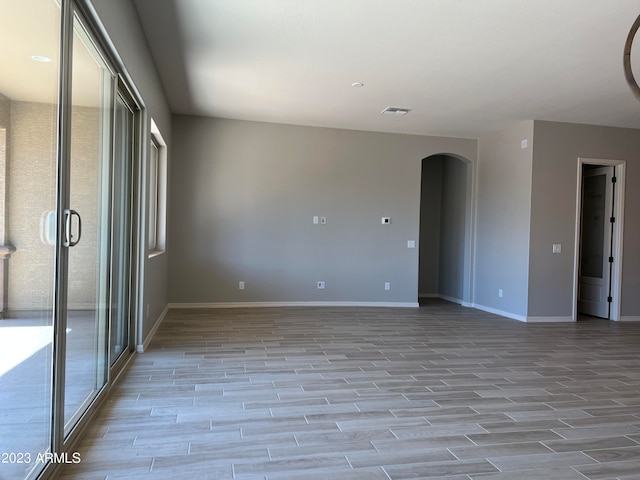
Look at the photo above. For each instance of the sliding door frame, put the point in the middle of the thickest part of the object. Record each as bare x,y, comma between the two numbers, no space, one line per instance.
136,171
63,171
86,14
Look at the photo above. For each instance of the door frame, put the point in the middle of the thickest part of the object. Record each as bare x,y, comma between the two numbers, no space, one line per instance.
617,234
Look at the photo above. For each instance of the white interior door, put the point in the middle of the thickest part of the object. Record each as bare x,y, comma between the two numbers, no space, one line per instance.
595,242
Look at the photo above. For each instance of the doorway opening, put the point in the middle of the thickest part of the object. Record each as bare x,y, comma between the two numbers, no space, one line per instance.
446,229
598,248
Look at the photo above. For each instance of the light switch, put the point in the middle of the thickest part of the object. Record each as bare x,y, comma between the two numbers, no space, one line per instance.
411,244
557,248
316,220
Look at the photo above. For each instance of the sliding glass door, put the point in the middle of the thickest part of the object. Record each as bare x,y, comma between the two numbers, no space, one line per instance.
87,226
68,163
29,72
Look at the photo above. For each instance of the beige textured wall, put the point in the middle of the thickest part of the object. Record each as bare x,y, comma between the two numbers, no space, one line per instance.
32,194
5,119
89,183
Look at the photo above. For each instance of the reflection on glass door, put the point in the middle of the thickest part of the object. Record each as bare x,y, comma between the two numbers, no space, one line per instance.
88,234
29,55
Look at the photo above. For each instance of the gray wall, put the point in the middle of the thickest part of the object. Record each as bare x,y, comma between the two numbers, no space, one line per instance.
453,228
503,217
122,24
244,194
557,147
430,210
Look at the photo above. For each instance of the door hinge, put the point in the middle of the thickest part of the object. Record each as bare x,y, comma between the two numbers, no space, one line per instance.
609,299
612,219
610,259
614,179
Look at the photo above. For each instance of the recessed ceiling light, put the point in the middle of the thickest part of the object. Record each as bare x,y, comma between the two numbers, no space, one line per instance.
40,58
395,111
357,85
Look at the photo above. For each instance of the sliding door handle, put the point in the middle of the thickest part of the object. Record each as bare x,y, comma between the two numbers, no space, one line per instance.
69,240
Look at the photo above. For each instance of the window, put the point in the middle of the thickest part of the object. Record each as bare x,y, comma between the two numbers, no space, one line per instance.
157,199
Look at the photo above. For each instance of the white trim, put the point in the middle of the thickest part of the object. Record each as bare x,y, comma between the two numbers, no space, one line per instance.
549,320
145,344
502,313
619,200
160,182
629,318
293,304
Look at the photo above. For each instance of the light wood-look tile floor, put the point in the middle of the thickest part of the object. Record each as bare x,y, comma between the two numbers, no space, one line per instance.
439,392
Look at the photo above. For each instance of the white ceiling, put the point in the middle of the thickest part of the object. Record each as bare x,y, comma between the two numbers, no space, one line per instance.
33,28
38,29
464,67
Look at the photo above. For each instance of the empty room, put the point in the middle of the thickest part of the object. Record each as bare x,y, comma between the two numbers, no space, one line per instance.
294,239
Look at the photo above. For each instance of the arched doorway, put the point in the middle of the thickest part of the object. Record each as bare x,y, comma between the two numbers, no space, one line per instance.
446,229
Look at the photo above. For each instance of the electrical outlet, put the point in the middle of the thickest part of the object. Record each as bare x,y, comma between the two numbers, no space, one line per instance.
500,292
385,220
240,285
387,285
323,220
320,285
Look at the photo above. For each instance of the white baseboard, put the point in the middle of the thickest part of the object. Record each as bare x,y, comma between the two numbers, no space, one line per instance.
145,344
522,318
293,304
549,319
502,313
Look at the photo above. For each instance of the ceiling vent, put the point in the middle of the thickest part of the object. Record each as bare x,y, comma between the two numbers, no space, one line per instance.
396,111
